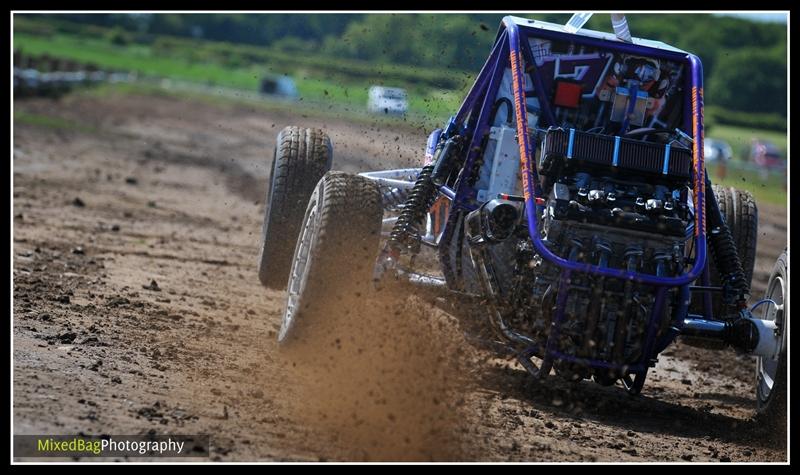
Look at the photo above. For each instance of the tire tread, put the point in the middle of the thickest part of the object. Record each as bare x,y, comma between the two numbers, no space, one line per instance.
302,156
349,214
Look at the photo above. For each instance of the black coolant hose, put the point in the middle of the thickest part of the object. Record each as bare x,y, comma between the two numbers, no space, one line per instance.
509,110
722,248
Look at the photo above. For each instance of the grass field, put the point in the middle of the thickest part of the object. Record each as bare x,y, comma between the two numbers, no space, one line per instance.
772,187
50,122
312,86
739,138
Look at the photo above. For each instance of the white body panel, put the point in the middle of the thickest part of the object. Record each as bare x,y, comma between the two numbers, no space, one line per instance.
500,172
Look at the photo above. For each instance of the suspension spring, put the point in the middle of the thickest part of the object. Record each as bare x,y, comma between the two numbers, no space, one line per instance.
722,248
405,233
723,251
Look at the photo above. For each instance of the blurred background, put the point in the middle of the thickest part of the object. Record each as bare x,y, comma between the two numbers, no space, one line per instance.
413,68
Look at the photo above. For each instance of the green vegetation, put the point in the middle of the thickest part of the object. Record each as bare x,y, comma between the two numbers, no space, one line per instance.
744,61
740,138
133,58
194,61
751,120
752,80
284,58
429,54
50,122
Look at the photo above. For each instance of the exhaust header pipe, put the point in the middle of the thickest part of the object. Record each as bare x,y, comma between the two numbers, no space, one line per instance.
620,25
618,22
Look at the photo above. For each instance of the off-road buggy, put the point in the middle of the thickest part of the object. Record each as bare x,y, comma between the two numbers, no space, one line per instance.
569,193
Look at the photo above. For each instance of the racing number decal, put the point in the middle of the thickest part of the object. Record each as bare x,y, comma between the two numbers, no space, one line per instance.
587,69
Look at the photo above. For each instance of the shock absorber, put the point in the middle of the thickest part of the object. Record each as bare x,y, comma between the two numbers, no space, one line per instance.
722,248
405,233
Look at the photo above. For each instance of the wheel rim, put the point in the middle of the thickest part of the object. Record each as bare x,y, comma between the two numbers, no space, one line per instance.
299,273
767,368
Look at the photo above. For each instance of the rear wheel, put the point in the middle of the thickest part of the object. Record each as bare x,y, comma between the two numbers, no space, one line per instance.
738,208
301,158
771,375
335,254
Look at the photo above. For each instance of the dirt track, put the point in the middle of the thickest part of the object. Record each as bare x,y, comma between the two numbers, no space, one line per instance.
159,189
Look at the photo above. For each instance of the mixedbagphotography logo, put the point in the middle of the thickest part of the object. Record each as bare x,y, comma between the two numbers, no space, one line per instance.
27,446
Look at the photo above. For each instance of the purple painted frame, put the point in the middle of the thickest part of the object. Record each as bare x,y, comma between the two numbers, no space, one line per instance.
511,41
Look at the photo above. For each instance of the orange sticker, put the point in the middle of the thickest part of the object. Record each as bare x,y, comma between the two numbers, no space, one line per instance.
699,181
439,212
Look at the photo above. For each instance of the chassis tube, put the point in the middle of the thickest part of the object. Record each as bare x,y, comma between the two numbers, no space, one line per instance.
480,82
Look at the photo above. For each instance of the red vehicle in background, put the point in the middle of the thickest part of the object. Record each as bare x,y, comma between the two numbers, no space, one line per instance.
766,155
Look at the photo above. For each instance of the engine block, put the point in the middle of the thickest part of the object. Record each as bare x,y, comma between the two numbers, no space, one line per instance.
610,202
606,319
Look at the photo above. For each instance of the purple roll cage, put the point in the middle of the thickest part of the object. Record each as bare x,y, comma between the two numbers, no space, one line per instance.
511,47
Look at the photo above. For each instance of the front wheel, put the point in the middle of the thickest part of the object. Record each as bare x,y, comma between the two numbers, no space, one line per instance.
335,254
771,375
